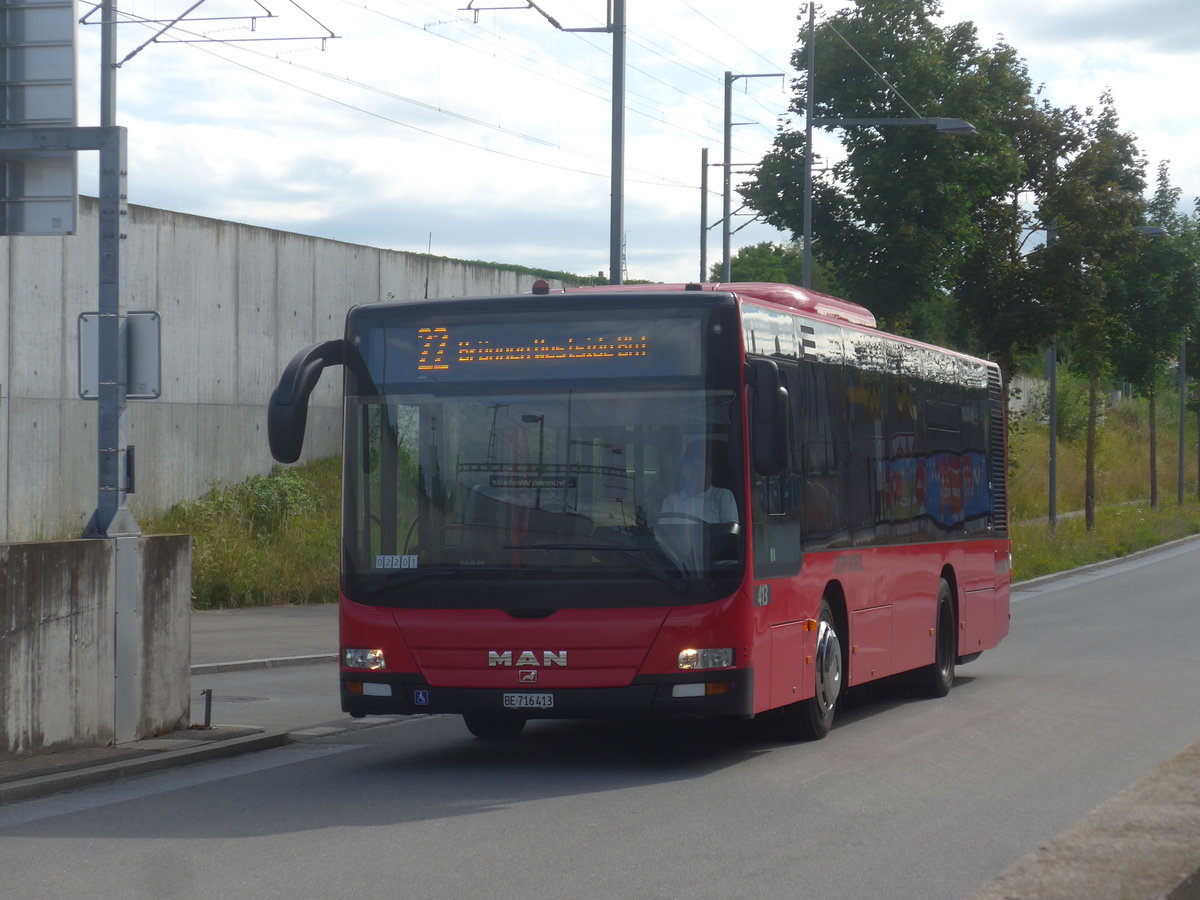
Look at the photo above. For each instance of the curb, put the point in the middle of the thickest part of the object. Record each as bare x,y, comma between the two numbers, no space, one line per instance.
42,785
269,663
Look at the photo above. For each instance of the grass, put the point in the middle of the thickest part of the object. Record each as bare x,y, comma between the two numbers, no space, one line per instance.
1120,530
1125,521
273,539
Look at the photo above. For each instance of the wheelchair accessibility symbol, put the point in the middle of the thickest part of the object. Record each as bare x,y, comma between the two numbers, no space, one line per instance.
420,698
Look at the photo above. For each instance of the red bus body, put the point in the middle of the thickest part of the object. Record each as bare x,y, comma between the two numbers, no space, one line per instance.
940,521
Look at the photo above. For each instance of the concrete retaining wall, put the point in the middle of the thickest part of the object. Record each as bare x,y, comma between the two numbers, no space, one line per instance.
59,643
237,302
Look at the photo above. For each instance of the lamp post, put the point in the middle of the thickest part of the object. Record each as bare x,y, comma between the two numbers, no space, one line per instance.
541,424
943,126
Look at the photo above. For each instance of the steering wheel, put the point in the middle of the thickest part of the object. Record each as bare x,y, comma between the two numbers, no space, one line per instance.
680,515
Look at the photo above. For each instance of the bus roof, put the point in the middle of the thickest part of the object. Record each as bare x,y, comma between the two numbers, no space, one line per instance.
788,295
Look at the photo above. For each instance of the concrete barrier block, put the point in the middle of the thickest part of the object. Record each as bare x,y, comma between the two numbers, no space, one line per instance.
166,648
56,645
59,650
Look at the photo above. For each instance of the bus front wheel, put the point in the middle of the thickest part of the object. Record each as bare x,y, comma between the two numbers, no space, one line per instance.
811,719
485,725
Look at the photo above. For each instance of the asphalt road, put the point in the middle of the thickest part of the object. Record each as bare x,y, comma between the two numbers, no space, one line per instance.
905,798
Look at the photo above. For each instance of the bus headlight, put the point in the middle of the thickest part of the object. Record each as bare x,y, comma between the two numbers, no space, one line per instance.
355,658
706,659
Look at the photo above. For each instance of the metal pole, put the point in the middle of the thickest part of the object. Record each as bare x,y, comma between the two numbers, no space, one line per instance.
727,169
703,215
108,63
112,516
1182,410
1052,377
806,259
726,199
617,214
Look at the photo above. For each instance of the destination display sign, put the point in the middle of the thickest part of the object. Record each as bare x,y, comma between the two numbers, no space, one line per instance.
440,350
473,351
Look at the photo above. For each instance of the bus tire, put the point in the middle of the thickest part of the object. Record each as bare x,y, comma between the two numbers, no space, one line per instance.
936,679
493,727
811,719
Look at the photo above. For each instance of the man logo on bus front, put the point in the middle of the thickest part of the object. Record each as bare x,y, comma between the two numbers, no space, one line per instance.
527,658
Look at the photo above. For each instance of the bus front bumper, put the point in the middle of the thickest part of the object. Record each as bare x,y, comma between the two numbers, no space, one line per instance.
710,693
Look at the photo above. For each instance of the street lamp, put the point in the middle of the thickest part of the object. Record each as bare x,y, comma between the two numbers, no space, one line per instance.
943,126
541,424
530,419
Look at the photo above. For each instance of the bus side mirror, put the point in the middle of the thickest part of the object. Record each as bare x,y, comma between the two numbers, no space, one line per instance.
287,412
769,418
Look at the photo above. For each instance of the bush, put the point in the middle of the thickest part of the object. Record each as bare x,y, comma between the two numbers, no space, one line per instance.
272,539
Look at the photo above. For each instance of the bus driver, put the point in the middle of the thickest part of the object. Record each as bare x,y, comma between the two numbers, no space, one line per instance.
697,499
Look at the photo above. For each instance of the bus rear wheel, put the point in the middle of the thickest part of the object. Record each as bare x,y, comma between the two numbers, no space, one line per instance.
811,719
494,727
936,679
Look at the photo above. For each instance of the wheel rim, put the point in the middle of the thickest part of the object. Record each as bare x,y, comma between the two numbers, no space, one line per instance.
829,667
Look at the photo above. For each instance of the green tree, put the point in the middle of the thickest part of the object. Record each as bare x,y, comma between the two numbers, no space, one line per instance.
779,263
1154,295
997,300
1095,204
894,220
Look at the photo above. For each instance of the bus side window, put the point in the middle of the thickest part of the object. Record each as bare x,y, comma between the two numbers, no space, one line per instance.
864,392
820,439
775,502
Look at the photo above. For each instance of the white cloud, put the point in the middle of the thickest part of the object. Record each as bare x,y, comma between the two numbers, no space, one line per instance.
494,136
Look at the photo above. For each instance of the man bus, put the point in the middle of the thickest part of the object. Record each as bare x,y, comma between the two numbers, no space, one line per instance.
517,541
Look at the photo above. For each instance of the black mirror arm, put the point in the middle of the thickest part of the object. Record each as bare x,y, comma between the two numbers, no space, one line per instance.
287,413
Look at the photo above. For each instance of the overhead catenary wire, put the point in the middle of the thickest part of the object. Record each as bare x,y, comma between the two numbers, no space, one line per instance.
651,179
498,48
728,34
501,54
636,102
659,181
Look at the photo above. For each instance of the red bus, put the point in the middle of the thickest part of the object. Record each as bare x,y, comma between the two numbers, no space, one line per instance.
706,499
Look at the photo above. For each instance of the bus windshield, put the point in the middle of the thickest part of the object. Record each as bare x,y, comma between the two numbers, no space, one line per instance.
619,491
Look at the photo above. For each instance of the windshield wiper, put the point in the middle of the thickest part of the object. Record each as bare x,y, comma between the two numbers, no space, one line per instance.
403,579
677,583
